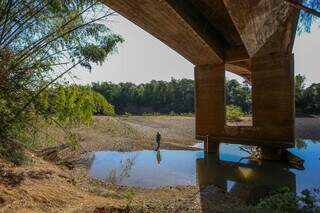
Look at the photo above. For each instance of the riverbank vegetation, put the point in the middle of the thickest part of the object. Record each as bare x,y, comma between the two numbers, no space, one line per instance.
40,42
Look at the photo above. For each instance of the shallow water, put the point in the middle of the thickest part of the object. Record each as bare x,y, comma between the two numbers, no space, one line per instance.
231,171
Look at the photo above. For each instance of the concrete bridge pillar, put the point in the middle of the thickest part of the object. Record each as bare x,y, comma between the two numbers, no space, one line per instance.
272,100
273,96
210,103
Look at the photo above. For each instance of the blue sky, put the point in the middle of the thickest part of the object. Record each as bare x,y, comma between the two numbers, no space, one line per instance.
142,58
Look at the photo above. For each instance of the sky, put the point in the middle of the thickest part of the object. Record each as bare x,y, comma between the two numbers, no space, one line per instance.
142,58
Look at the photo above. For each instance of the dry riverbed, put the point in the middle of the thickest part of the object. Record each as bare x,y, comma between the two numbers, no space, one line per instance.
41,186
138,133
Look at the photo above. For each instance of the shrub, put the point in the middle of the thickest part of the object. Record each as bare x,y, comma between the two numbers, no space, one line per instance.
74,104
102,107
189,114
64,106
234,113
283,200
151,114
172,113
127,114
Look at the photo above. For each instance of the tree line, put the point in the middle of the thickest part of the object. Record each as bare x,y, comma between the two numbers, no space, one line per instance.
175,96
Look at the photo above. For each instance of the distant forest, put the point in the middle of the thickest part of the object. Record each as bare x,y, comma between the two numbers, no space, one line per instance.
177,96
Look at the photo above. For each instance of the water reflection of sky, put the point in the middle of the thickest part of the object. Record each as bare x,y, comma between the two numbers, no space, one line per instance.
175,168
310,177
170,167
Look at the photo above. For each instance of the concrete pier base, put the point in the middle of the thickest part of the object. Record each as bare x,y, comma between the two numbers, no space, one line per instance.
212,147
268,153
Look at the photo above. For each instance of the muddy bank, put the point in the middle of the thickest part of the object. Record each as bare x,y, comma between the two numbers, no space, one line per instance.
43,187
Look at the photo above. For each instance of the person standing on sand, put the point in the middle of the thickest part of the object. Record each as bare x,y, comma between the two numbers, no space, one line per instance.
158,139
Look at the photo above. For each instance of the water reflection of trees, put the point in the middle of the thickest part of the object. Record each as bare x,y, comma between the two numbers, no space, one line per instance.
124,171
300,144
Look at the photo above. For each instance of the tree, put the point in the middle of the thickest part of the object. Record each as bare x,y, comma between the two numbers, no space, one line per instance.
175,96
73,104
40,42
309,14
299,90
305,7
311,99
238,95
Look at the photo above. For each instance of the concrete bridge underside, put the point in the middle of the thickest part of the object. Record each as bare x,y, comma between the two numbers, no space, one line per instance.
251,38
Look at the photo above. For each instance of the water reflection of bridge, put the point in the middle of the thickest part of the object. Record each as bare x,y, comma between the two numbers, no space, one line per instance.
248,181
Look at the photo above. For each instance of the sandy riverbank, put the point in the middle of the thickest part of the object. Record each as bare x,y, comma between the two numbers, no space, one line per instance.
41,186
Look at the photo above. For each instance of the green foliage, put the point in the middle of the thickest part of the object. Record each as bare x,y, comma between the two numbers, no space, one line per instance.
102,106
157,96
174,97
307,99
74,104
127,114
299,89
177,97
172,113
286,201
40,42
283,201
13,151
309,200
234,113
188,114
306,19
151,114
129,196
238,95
311,99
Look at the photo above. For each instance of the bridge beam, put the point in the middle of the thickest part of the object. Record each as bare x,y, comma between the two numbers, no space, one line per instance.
162,21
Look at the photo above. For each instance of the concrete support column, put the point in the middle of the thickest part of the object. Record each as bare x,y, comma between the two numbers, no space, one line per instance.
210,103
268,153
212,147
273,97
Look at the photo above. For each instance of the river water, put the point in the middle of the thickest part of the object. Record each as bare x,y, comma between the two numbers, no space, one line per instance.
231,170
